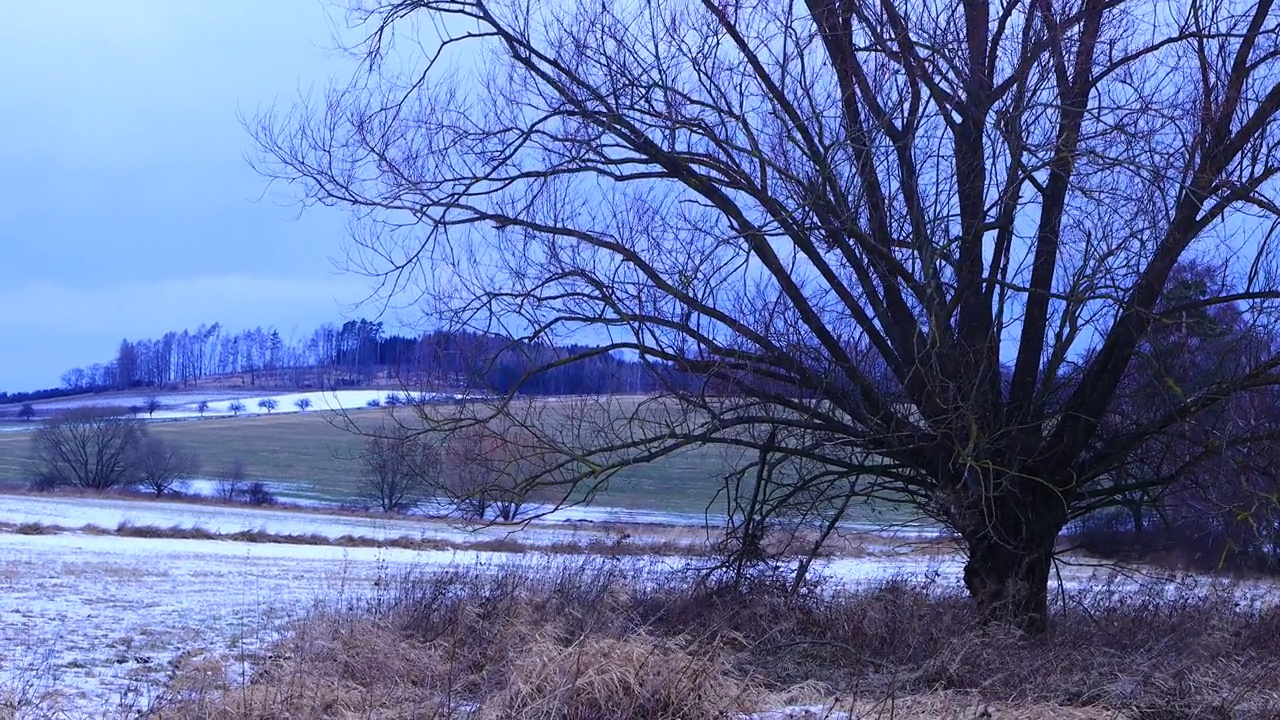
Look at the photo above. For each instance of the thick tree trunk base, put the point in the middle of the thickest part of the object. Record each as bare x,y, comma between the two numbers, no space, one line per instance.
1010,581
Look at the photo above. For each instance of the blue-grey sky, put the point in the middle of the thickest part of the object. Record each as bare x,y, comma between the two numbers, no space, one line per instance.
126,205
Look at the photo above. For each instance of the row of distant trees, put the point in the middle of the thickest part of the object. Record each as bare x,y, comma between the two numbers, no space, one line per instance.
102,449
356,353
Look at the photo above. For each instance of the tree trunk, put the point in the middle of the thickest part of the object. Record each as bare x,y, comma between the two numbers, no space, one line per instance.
1135,512
1010,581
1010,548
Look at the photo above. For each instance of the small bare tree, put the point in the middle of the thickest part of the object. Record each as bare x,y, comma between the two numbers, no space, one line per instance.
230,483
151,404
159,465
202,407
90,447
489,471
400,468
27,412
268,404
236,407
303,404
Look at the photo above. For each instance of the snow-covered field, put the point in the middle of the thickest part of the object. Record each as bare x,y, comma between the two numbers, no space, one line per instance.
97,621
185,405
76,512
92,623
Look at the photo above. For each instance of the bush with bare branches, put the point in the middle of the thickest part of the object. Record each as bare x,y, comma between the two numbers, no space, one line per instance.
399,468
232,480
487,471
158,465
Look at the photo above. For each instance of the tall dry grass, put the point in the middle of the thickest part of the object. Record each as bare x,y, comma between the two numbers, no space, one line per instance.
604,638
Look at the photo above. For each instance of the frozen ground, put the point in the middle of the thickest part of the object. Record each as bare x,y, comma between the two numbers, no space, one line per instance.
76,512
91,624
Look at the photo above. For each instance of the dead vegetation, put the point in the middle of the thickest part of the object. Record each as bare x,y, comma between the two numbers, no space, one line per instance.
620,545
599,638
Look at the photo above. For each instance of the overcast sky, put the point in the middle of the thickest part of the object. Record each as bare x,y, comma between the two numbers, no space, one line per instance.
126,205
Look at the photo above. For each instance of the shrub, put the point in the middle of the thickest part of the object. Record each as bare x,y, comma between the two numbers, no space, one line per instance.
257,493
398,469
159,465
1199,541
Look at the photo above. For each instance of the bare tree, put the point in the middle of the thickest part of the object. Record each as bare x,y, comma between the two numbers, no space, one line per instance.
922,242
202,407
27,412
89,447
399,468
303,404
486,471
159,465
236,407
151,404
268,404
231,481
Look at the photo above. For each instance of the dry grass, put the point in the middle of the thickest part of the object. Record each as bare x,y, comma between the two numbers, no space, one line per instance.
950,705
598,638
637,676
605,547
34,528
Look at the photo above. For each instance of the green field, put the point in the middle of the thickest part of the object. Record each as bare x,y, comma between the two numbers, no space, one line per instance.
309,452
310,456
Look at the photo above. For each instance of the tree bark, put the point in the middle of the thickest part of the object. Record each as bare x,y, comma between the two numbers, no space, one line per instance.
1010,548
1010,583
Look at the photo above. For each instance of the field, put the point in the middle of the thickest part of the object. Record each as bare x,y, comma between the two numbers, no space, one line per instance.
98,617
121,607
310,456
101,624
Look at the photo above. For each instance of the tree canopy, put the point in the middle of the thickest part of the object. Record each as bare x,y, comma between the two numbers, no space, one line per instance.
914,248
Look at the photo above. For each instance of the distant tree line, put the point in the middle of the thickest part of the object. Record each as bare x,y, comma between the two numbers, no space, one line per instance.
357,353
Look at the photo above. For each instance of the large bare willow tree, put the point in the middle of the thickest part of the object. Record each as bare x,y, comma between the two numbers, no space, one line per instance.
884,248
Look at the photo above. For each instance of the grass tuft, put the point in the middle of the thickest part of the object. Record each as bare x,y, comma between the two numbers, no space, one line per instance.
36,528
